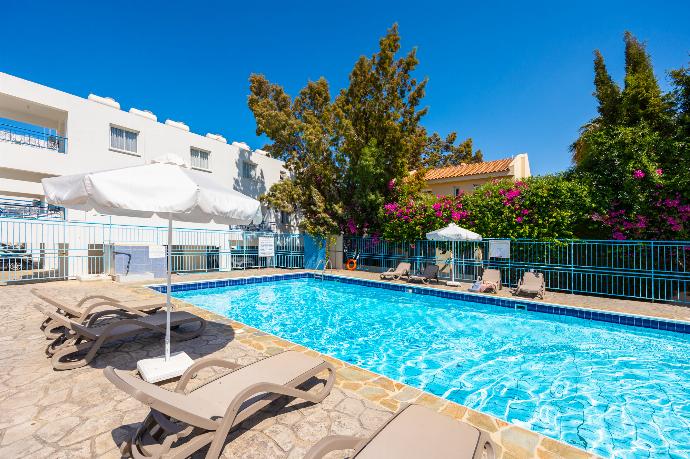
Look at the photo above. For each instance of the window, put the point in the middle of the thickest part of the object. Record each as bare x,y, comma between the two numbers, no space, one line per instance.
457,191
284,218
201,159
248,170
123,140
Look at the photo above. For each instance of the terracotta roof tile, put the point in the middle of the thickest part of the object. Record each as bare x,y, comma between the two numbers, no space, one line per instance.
463,170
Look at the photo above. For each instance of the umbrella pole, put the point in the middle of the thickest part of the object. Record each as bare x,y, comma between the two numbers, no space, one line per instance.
167,296
452,263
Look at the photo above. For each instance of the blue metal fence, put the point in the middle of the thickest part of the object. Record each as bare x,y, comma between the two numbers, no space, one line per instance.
24,136
33,249
646,270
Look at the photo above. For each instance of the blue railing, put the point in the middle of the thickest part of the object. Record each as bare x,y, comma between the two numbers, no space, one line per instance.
645,270
24,136
51,249
28,208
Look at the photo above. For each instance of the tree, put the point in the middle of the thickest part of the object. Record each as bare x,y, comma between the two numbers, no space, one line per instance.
439,152
346,155
635,154
607,92
302,131
642,100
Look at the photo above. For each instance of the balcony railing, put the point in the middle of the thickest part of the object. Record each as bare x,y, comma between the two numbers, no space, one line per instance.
24,136
27,208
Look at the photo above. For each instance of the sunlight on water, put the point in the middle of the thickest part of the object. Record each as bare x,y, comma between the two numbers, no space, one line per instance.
614,390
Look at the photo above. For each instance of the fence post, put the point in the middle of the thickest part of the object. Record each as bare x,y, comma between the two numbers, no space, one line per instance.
572,267
653,259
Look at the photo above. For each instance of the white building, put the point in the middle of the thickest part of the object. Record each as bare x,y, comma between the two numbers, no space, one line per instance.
45,132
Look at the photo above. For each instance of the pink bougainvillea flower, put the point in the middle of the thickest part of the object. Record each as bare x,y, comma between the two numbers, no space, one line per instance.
439,213
458,215
617,235
436,206
638,174
659,172
525,211
391,207
391,184
518,219
352,226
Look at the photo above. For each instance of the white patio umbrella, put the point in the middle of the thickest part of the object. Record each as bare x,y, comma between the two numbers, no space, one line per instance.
453,233
166,187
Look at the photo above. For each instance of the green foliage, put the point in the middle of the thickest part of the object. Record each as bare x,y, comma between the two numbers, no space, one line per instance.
635,155
440,152
547,207
606,91
343,155
642,100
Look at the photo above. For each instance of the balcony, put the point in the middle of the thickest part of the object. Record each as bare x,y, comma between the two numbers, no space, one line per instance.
25,136
29,208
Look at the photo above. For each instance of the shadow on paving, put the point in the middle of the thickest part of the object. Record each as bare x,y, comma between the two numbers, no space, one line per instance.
124,354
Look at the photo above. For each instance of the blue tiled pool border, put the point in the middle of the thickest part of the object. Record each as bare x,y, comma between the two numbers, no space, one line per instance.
547,308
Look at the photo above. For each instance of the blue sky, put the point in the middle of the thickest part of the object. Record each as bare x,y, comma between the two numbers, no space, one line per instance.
515,76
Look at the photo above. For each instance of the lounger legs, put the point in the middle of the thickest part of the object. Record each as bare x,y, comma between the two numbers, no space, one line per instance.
158,433
230,418
65,346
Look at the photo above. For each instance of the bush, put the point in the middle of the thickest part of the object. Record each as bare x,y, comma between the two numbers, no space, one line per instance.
548,207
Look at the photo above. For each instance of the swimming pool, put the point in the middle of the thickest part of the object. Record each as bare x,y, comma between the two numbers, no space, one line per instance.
615,390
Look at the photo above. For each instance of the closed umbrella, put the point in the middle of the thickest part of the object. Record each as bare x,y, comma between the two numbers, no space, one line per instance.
166,187
453,233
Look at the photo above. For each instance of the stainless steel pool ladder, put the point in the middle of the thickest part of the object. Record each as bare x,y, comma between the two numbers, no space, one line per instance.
326,263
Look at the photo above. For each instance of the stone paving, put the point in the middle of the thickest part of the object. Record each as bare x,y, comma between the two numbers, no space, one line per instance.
78,413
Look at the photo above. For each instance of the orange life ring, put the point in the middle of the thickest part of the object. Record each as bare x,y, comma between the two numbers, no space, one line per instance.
351,264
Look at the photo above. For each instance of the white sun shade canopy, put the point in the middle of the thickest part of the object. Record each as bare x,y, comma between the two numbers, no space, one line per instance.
166,187
453,232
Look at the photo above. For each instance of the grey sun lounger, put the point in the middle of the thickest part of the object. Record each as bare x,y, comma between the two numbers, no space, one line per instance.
430,273
415,432
491,279
90,305
77,339
403,269
532,283
180,423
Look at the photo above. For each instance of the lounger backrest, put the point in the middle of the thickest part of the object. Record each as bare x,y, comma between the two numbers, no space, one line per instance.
492,275
532,280
46,298
430,271
403,268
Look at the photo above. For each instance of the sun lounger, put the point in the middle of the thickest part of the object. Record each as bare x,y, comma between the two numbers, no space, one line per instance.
181,423
415,432
78,338
90,305
491,280
532,283
403,269
430,273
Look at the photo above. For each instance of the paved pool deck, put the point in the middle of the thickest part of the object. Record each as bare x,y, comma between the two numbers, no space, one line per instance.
78,413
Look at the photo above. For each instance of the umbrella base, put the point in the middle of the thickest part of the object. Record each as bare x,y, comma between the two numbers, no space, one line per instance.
157,369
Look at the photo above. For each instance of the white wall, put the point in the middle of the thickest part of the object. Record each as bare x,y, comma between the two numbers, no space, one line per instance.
86,124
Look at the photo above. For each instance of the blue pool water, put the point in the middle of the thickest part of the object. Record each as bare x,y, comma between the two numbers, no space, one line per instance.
614,390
